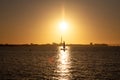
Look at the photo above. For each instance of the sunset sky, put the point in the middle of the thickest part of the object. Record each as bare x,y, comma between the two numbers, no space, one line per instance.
38,21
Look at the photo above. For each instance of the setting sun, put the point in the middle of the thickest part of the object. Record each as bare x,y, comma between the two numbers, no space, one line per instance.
63,26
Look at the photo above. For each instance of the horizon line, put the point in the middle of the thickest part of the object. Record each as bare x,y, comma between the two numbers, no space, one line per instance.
60,43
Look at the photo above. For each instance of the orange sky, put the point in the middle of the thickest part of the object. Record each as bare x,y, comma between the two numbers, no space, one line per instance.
37,21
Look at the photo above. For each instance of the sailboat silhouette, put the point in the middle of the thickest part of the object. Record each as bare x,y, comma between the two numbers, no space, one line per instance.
63,45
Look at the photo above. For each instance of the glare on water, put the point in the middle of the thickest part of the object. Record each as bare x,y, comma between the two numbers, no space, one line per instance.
63,64
50,63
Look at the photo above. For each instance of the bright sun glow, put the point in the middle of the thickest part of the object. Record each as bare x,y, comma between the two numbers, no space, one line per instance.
63,26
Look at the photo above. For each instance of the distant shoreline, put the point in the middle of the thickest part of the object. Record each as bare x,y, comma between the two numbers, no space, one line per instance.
89,45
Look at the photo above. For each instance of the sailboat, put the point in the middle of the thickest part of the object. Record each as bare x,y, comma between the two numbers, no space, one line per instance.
63,46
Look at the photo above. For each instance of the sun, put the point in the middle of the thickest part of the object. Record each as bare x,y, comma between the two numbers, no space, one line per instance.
63,26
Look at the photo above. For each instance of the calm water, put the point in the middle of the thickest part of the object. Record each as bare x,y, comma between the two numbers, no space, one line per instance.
51,63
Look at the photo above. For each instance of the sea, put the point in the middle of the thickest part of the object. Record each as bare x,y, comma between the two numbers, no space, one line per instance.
49,62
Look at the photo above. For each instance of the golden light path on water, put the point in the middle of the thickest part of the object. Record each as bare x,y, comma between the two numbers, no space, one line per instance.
63,64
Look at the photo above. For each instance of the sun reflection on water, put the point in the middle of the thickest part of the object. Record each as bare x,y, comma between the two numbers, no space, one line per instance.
63,64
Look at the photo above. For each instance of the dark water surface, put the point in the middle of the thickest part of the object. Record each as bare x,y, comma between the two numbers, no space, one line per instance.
51,63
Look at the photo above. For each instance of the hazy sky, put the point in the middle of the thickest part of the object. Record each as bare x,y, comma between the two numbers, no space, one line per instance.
36,21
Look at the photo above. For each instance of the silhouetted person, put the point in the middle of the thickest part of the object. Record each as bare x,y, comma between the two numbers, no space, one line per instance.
64,45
